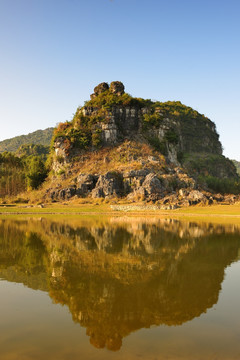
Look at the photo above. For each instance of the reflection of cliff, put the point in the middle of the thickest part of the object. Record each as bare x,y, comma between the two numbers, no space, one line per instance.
119,276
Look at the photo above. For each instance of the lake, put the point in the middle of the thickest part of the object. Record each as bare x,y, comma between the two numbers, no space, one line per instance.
118,287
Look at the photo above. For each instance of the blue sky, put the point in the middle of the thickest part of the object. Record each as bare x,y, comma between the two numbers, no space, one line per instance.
53,53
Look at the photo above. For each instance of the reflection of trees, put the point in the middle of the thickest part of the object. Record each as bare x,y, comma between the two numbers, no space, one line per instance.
118,277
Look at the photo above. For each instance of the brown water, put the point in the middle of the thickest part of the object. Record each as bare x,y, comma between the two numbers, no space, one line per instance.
118,288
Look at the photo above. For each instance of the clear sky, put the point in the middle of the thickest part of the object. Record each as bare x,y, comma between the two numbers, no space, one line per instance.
53,53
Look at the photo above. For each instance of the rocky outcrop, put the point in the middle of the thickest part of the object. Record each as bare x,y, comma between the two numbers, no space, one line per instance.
117,87
99,89
186,140
85,184
135,184
108,185
168,131
151,188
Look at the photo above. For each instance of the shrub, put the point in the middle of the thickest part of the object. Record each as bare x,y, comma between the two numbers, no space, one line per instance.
171,137
158,145
36,173
223,186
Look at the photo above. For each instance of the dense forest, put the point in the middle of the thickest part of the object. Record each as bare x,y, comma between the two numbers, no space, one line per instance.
23,170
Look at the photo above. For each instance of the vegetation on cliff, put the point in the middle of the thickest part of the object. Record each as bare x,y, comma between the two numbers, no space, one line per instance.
185,127
237,165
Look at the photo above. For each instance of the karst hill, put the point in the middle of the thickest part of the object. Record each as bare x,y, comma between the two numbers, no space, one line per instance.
125,147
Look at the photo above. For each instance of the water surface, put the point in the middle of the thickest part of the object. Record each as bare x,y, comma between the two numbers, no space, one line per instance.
118,288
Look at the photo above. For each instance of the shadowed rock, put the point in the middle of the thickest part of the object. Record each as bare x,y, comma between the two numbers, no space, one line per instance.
109,184
101,88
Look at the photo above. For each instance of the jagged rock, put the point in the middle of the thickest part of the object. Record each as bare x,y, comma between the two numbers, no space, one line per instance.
109,132
152,185
101,88
110,184
133,179
151,188
195,197
117,87
63,194
85,184
183,192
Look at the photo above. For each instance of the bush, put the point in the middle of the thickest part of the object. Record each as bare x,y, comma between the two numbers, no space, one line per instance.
158,145
171,137
37,172
222,186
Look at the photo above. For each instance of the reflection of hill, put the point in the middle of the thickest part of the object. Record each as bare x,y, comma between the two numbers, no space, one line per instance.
118,276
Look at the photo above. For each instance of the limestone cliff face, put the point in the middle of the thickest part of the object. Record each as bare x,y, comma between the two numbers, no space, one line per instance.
174,128
111,118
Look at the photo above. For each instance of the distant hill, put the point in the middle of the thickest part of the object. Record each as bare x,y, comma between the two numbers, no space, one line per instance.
39,137
237,164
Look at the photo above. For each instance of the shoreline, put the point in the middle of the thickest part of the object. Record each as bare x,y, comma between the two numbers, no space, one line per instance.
226,212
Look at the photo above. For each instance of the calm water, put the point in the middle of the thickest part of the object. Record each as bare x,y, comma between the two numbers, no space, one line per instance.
118,288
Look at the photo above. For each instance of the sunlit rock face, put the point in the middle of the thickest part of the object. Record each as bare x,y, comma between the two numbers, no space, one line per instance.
177,148
121,274
113,118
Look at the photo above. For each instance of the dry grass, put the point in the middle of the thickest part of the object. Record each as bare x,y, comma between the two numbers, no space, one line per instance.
129,155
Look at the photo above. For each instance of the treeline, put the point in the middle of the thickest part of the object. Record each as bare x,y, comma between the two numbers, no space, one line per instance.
24,170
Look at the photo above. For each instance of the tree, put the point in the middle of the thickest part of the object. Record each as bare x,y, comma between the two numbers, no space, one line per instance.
36,173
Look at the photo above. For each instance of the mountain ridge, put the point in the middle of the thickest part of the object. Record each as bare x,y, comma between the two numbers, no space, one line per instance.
37,137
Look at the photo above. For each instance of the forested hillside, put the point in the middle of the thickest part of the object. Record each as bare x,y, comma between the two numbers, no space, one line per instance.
40,137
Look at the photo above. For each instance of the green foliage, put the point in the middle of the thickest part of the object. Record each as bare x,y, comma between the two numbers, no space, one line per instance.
12,175
80,138
180,156
237,165
158,145
33,149
152,119
42,137
36,172
209,165
223,186
171,137
96,138
18,173
107,99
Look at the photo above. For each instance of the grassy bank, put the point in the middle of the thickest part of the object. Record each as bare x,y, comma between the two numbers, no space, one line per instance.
213,210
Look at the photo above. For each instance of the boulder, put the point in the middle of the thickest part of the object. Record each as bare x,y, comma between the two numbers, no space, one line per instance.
63,194
85,184
133,179
110,184
153,186
195,197
117,87
101,88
